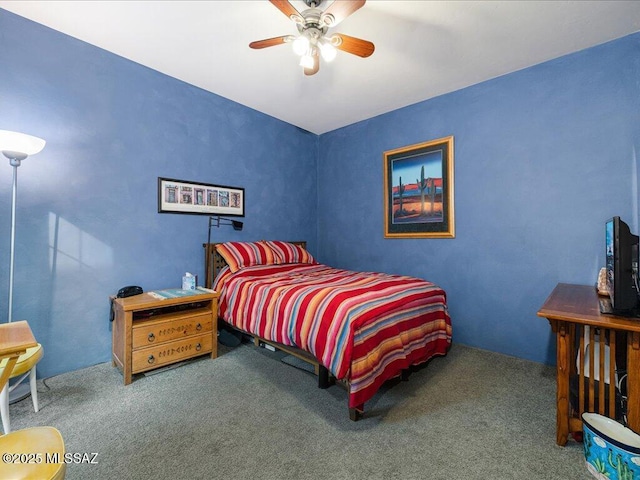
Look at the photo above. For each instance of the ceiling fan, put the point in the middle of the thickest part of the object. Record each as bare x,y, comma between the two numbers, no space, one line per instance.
312,40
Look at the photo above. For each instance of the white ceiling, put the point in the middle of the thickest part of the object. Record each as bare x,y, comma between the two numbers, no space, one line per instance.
423,48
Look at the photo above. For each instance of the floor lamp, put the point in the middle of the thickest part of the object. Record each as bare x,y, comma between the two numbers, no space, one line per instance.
16,147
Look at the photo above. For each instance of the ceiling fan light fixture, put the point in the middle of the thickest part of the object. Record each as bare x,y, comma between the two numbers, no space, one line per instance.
306,61
301,45
328,51
313,23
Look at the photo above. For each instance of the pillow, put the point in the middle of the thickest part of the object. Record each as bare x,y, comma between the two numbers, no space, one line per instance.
245,254
285,252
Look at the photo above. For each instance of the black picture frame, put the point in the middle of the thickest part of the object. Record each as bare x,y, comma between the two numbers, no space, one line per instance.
198,198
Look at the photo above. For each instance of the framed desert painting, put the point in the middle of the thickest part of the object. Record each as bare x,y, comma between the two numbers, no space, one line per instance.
418,191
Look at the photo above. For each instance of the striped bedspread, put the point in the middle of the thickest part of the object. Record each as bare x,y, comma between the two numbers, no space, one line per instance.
364,327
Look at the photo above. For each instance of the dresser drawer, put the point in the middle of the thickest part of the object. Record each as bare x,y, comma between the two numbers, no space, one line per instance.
166,353
149,333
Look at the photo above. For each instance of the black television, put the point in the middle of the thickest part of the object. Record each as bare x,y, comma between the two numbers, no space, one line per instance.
622,267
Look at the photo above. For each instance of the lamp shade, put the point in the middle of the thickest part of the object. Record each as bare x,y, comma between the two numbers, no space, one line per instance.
328,51
300,45
20,143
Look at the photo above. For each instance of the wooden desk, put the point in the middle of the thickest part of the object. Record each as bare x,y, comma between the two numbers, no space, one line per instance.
15,338
570,309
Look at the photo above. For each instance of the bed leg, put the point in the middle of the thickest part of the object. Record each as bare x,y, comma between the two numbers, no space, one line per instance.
323,377
356,413
405,375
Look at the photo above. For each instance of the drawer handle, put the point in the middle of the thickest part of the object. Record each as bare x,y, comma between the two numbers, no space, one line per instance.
199,327
198,347
151,337
151,359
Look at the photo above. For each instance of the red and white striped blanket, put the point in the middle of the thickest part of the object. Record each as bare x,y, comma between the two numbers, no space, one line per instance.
364,327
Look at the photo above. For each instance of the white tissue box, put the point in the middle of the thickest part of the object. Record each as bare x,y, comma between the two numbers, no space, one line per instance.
188,282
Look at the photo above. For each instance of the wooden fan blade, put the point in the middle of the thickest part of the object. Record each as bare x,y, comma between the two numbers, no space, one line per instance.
353,45
269,42
285,7
339,10
316,65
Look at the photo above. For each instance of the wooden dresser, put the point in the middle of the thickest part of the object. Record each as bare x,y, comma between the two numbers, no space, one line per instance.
149,332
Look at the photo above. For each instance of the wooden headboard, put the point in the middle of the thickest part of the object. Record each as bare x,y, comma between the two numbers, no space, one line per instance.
213,261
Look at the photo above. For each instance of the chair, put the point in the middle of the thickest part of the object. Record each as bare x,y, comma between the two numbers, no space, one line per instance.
25,367
46,447
15,339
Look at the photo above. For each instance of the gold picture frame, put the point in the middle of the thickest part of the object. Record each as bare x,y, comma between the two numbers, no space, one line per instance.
423,208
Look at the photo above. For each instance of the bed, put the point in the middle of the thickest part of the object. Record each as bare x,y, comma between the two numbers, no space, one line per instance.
359,328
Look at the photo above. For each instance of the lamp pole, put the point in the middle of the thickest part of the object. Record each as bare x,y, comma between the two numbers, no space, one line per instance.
15,163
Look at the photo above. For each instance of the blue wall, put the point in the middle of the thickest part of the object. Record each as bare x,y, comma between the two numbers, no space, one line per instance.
543,157
87,220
